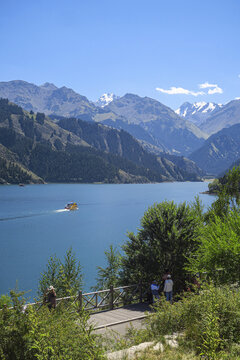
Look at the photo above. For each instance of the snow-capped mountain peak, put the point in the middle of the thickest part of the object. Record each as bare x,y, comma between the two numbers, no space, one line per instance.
198,111
105,99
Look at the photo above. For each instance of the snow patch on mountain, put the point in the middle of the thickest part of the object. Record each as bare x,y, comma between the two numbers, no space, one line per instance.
198,111
106,99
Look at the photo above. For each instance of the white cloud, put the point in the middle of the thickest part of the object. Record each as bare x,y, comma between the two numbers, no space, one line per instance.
216,90
207,85
237,98
178,90
239,75
213,88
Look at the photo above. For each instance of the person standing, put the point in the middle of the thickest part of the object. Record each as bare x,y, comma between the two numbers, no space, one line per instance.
155,291
51,298
164,278
168,288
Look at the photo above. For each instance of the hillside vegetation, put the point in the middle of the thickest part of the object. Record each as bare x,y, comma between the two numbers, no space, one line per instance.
145,118
76,151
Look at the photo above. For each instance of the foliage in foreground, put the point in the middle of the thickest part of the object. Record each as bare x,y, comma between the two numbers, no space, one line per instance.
210,321
41,334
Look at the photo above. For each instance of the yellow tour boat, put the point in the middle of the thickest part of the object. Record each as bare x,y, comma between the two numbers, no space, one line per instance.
71,206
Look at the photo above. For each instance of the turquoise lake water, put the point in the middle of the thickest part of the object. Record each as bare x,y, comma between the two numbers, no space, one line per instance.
34,225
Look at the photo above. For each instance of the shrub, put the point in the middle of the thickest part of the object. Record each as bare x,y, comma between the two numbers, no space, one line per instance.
30,334
210,321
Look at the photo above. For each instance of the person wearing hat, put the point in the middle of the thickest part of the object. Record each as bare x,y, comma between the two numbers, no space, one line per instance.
155,290
51,297
168,288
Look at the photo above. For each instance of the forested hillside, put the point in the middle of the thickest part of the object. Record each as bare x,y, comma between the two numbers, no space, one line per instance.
123,144
144,118
87,153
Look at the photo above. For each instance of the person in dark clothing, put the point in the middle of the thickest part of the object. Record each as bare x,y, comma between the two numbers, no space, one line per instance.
51,297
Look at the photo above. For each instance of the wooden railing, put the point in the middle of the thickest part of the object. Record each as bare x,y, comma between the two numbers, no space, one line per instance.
113,297
104,299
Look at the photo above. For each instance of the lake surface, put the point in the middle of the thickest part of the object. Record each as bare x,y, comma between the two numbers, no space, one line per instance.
34,225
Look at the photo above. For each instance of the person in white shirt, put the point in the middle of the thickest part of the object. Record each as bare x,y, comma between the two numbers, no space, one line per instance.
155,291
168,288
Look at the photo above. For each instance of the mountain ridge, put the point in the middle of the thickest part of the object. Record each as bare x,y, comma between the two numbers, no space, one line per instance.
226,116
219,151
197,112
82,152
166,128
154,117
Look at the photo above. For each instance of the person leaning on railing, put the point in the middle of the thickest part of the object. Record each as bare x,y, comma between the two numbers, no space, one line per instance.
50,297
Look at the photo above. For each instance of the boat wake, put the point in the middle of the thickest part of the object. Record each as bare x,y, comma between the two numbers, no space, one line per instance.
19,217
32,215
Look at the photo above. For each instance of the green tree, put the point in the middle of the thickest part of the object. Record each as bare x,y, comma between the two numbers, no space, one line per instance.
110,274
50,276
71,278
228,194
218,253
167,236
65,276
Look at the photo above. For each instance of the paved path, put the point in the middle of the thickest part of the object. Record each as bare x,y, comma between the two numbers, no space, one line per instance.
119,319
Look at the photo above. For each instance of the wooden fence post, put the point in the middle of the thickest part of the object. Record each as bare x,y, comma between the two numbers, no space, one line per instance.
80,300
111,297
96,300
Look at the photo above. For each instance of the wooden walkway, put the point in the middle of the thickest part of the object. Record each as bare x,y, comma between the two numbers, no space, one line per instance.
119,319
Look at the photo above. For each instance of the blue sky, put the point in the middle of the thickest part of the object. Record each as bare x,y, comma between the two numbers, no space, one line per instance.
188,50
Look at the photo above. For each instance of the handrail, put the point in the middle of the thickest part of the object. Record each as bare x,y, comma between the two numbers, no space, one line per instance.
103,299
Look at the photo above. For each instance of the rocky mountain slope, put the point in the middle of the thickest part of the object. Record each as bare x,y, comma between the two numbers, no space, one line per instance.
153,121
48,99
197,112
228,115
219,151
165,127
78,151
